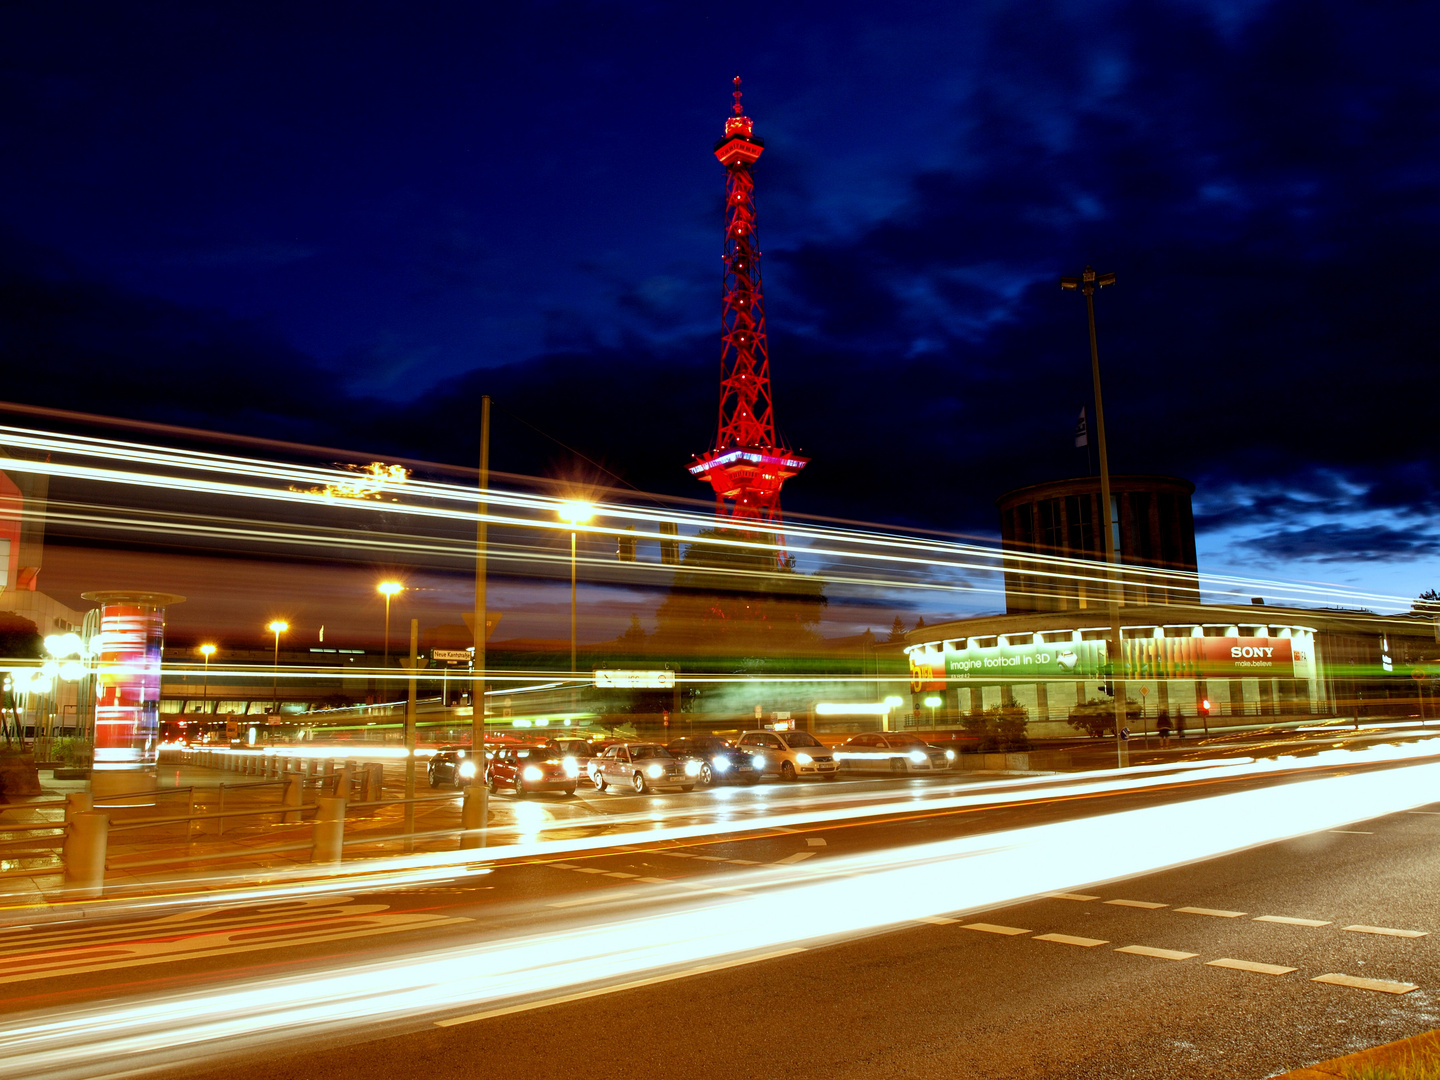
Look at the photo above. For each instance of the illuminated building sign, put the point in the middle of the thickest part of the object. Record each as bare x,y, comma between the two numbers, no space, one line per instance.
617,679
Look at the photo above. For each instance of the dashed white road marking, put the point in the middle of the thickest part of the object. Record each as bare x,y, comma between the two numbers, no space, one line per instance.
1383,986
992,928
1250,965
564,866
617,988
1159,954
593,898
617,873
799,856
1067,939
1213,912
1071,896
589,870
815,841
1384,931
745,862
678,854
936,920
709,858
1146,904
654,880
1286,920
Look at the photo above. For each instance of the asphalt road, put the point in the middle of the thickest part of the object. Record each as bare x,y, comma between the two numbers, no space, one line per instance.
936,998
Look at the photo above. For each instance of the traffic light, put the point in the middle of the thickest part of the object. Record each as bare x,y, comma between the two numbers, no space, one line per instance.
1107,671
1205,707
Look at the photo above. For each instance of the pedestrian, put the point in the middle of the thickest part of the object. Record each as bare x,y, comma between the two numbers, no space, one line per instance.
1179,725
1162,725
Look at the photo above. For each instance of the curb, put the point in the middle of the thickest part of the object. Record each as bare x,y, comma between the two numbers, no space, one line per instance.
1394,1054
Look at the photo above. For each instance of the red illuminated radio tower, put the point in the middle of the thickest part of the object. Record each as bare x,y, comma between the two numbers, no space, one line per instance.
746,466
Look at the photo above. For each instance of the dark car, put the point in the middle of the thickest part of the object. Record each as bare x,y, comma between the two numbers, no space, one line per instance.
532,768
450,765
721,761
642,766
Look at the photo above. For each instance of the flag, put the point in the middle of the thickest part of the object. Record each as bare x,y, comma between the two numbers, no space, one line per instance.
1082,430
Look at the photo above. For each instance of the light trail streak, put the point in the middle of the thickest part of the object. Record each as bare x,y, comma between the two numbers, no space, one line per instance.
840,897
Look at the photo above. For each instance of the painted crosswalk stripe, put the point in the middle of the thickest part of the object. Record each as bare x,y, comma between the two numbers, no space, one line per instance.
617,873
709,858
1067,939
1385,931
589,870
799,856
1146,904
815,841
1159,954
936,920
594,898
1071,896
1383,986
1286,920
1213,912
992,928
1250,965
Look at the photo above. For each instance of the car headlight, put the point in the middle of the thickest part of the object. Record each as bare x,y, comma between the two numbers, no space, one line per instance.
949,755
803,759
917,756
572,767
721,764
758,761
656,770
533,773
692,768
467,768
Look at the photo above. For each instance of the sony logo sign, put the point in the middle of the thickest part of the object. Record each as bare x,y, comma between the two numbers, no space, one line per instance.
1251,650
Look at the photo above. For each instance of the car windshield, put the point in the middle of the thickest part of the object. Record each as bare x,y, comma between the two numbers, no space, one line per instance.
703,745
648,751
802,738
905,742
537,753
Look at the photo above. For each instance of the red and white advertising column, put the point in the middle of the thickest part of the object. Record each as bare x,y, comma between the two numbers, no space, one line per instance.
127,691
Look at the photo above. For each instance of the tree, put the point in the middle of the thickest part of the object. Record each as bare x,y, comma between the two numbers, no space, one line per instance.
1000,727
897,629
732,600
633,639
920,622
1428,603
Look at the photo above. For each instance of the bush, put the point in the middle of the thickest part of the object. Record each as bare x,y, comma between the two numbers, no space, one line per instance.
999,728
1096,717
73,753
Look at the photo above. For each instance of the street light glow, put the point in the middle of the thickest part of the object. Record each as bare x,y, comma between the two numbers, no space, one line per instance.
390,588
279,626
576,512
207,651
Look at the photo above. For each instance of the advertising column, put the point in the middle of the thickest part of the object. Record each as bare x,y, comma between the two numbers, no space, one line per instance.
127,692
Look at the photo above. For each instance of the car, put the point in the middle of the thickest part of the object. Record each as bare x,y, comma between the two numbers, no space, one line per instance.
450,765
580,751
790,754
892,752
532,768
642,766
721,761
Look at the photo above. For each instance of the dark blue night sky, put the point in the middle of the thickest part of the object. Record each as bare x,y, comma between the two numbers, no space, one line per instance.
344,224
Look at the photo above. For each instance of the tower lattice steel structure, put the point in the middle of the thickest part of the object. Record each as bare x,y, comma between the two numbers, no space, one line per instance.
746,466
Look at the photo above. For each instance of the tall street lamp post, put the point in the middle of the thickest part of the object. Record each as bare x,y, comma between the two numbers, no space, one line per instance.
1087,283
388,589
208,651
576,513
278,627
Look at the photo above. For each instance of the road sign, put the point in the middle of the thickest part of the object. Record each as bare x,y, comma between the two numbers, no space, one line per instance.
450,656
1419,674
1144,690
619,679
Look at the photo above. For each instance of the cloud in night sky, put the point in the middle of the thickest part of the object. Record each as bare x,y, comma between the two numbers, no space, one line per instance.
395,214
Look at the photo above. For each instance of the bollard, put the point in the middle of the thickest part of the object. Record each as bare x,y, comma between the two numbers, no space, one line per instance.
329,834
84,854
294,795
372,776
310,764
343,779
77,802
470,819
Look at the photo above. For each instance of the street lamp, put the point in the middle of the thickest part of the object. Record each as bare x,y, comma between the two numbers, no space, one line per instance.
576,513
208,651
389,589
278,627
1087,283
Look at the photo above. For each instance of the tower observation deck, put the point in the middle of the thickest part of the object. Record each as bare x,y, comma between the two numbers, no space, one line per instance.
747,465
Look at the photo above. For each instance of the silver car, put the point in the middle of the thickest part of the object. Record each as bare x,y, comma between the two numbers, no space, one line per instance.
642,766
890,752
790,754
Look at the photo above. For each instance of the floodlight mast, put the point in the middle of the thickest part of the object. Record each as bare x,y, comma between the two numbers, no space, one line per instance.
747,465
1087,283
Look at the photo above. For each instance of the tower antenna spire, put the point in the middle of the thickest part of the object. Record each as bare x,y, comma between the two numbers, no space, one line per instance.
747,465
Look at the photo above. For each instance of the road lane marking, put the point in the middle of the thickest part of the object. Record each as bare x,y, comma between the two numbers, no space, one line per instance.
617,873
1146,904
617,988
1428,813
564,866
1071,896
1067,939
799,856
1286,920
815,841
589,870
1353,832
1385,931
1250,965
594,898
1213,912
1383,986
1159,954
709,858
654,880
936,920
992,928
744,862
678,854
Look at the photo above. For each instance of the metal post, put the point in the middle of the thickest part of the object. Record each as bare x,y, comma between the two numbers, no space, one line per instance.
328,841
77,802
410,707
574,691
86,837
471,816
294,795
220,821
1087,283
477,665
